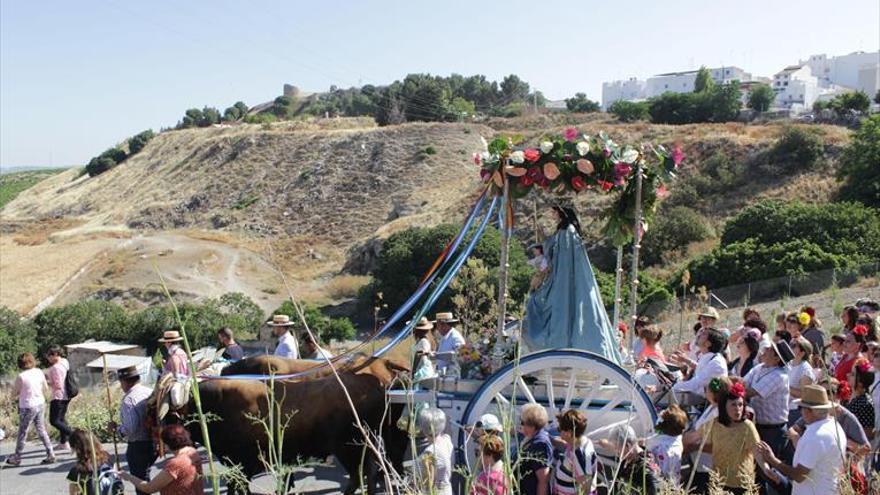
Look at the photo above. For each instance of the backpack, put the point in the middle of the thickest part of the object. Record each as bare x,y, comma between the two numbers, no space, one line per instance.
109,482
71,387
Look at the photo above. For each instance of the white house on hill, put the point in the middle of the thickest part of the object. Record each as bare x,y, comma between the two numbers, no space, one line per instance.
634,89
858,71
796,88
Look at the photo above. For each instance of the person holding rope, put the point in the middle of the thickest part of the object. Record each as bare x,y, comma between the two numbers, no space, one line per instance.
140,452
287,346
176,363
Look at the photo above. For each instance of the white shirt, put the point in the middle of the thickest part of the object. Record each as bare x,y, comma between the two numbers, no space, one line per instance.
30,384
449,343
321,354
441,452
795,374
704,461
821,449
709,366
666,451
771,385
287,347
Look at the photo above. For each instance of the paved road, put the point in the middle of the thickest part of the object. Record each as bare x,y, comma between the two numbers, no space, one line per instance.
31,478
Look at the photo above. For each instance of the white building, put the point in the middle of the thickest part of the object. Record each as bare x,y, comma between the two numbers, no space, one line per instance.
858,70
796,88
631,90
676,82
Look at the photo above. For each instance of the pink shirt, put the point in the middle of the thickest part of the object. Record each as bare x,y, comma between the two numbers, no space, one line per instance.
57,373
176,362
490,483
30,384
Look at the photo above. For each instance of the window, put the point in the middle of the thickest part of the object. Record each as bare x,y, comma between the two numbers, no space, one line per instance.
727,71
665,86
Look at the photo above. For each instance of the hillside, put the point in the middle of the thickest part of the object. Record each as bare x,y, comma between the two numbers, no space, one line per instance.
307,196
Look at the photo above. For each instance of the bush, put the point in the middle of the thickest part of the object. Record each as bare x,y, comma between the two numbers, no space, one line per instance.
844,229
105,161
653,299
761,97
16,337
797,149
325,327
859,168
77,322
407,255
716,103
580,103
630,111
139,141
672,232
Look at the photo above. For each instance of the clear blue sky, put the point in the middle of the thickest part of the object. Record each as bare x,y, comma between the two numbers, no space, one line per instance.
79,76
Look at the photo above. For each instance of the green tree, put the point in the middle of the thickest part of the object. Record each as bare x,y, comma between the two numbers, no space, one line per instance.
514,89
703,81
630,111
282,107
74,323
761,97
580,103
105,161
857,101
191,118
462,107
210,116
17,336
672,232
860,165
139,141
323,326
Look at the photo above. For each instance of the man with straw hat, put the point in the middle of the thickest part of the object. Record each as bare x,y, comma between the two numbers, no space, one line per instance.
819,456
287,346
176,363
450,341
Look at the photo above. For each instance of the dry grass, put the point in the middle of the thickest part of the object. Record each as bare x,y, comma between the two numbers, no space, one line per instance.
38,232
345,286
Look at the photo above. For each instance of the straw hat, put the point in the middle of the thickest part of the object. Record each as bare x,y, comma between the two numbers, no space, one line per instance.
813,397
783,350
445,318
280,321
171,336
710,312
128,372
424,324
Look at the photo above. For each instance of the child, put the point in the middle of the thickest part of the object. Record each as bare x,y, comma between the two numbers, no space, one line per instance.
539,263
650,338
666,447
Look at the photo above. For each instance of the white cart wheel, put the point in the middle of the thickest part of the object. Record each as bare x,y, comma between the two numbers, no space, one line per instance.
561,380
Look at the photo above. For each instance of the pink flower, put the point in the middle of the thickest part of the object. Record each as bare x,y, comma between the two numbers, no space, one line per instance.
526,181
577,182
532,155
662,192
677,155
476,158
485,175
607,152
621,170
606,186
571,134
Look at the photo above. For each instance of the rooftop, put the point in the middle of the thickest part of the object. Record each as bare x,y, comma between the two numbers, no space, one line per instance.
102,346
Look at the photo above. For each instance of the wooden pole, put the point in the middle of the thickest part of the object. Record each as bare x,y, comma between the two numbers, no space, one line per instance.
110,407
497,356
637,239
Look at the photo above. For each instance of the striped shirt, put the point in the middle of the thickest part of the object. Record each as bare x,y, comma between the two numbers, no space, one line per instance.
176,362
577,462
134,414
771,402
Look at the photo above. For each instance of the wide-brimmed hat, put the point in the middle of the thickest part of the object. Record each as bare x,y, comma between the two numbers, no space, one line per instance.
128,372
710,312
783,350
813,397
445,318
423,324
171,336
489,422
280,321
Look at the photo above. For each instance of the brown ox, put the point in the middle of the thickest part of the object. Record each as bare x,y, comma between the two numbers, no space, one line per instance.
322,422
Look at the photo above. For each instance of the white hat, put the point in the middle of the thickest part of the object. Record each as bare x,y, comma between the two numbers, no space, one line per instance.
489,422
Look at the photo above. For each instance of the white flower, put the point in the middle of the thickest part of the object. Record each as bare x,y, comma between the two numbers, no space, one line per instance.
583,148
517,157
485,156
630,155
546,147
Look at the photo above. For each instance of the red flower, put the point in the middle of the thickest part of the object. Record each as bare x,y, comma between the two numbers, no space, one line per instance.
543,182
737,390
571,134
577,182
810,311
606,186
532,155
526,181
621,170
535,173
476,158
622,328
860,330
863,367
844,392
677,155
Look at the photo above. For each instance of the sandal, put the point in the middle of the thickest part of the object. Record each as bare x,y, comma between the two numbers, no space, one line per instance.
48,460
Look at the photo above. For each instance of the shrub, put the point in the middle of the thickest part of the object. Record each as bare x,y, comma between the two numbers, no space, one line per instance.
139,141
580,103
796,149
761,97
630,111
77,322
653,299
845,229
325,327
105,161
716,103
672,232
16,336
859,168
